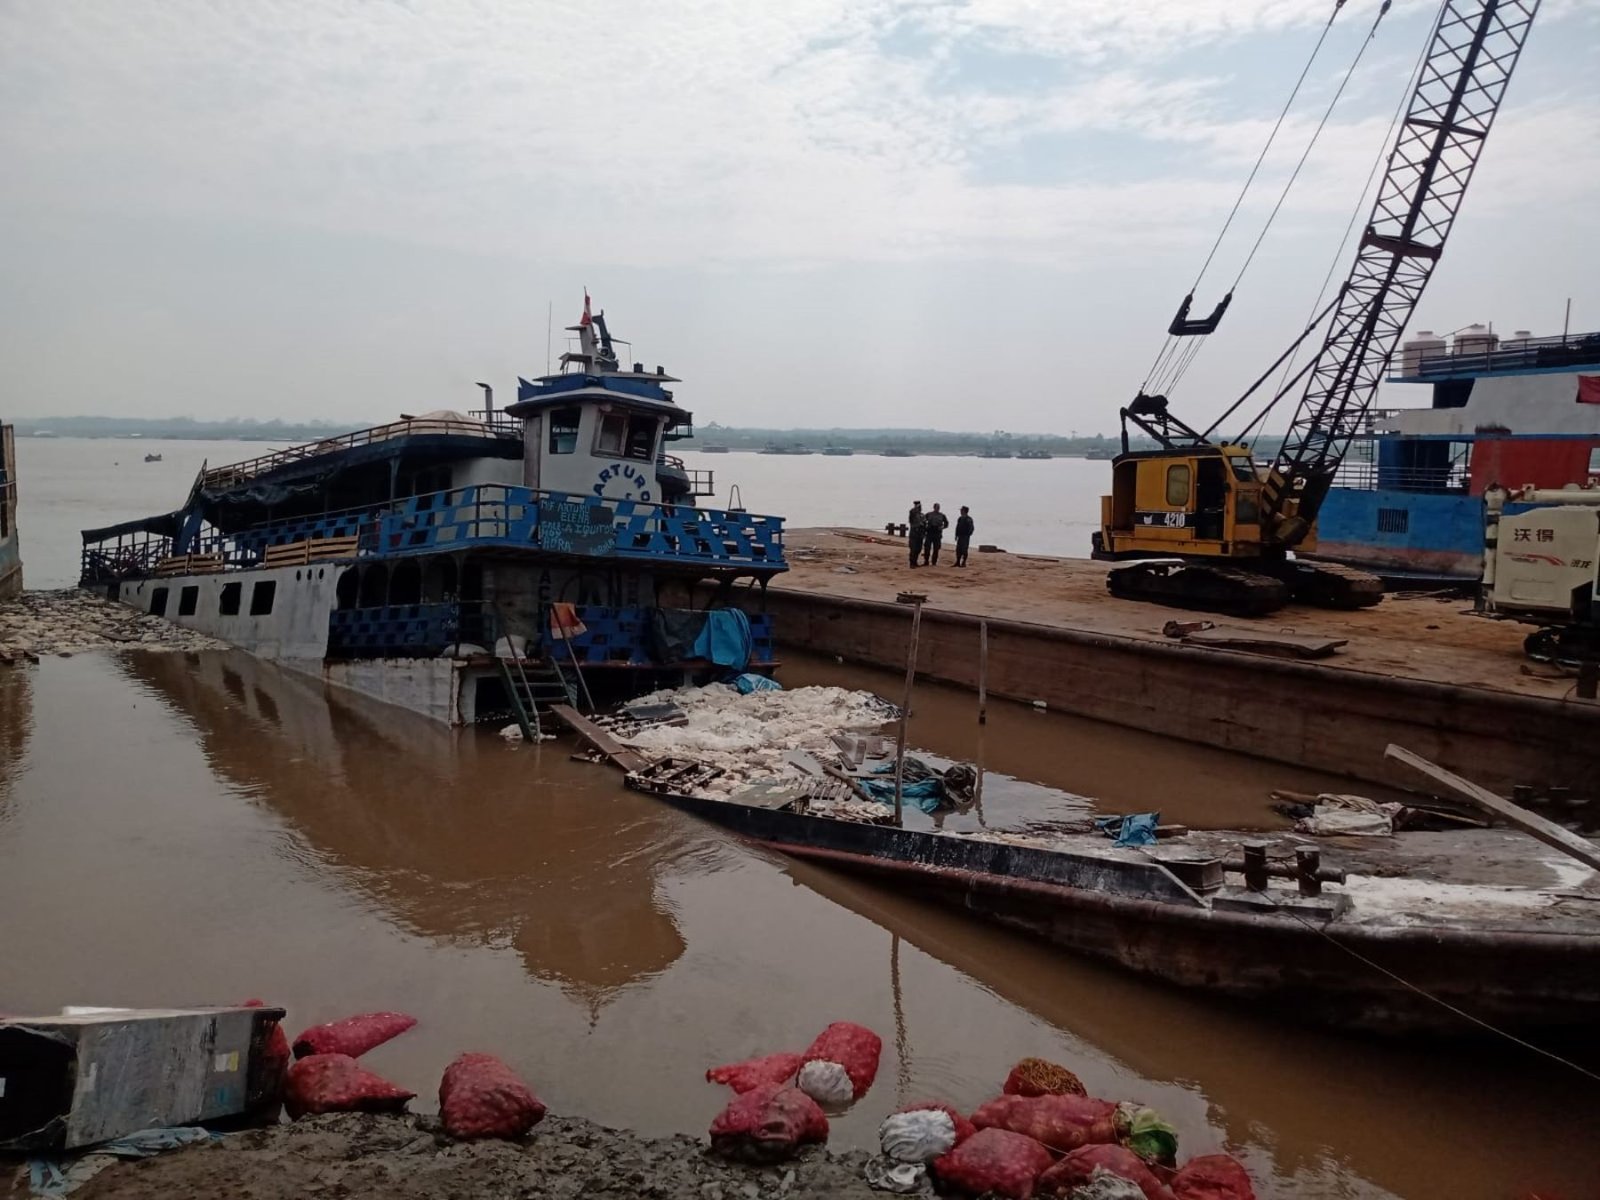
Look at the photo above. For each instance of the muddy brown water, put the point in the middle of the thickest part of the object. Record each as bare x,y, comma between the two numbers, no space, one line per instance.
199,828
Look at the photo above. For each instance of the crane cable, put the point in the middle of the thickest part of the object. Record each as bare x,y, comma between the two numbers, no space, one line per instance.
1372,33
1167,346
1363,201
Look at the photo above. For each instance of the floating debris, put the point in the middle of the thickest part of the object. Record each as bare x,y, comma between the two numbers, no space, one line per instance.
71,620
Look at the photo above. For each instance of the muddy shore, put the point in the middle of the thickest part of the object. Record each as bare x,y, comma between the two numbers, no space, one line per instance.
354,1156
69,621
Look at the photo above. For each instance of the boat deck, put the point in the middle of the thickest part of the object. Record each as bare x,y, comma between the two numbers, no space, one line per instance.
1410,635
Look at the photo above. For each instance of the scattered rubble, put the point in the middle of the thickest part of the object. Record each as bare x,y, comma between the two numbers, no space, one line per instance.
69,621
401,1157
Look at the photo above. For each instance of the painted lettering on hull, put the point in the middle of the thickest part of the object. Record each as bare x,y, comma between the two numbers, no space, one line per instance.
623,481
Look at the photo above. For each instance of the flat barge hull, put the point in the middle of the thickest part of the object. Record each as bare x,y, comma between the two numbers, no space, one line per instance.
1398,978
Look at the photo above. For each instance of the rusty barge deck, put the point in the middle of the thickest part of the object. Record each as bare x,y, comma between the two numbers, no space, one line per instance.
1415,669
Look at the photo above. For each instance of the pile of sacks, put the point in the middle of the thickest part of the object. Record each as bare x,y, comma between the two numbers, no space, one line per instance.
1043,1135
479,1095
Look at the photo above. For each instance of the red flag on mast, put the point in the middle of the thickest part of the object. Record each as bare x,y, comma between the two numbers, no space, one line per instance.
586,319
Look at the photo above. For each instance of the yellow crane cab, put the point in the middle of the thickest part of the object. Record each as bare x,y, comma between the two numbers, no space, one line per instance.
1201,501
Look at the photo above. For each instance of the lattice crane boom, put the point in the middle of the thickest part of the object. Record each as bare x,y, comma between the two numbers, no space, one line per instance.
1461,81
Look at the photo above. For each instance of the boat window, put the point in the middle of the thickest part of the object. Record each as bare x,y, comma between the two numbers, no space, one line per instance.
1594,460
611,435
564,430
228,602
158,602
1178,484
261,597
188,600
642,438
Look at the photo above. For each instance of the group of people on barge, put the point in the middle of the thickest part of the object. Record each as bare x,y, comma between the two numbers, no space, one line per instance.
925,534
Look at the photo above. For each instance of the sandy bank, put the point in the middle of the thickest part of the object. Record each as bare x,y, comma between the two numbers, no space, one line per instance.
358,1155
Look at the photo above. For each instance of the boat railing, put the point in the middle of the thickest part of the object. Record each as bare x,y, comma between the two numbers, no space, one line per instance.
501,516
498,420
1519,354
226,476
701,480
1367,476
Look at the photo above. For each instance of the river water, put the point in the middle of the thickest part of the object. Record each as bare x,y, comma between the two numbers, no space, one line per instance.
200,828
1036,507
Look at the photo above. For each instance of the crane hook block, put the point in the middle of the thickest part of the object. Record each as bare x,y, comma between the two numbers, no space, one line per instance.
1182,326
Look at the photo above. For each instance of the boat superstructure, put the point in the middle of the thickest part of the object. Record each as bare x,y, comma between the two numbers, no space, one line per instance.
1518,412
10,548
410,560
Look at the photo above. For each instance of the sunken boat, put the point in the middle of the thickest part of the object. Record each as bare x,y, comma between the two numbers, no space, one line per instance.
472,566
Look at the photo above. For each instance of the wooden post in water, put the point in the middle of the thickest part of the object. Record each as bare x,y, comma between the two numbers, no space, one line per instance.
983,672
914,599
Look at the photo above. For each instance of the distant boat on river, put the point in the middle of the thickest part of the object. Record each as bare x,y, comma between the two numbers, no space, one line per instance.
896,452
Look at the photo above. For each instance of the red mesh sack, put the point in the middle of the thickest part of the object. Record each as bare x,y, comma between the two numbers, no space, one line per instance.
326,1083
353,1035
274,1058
841,1064
480,1097
1213,1177
1077,1167
753,1072
994,1160
1036,1077
1062,1123
768,1124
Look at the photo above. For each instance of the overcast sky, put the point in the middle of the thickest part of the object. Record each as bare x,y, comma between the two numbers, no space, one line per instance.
970,214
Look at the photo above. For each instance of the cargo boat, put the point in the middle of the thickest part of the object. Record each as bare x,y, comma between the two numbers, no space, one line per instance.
469,566
1375,955
1408,502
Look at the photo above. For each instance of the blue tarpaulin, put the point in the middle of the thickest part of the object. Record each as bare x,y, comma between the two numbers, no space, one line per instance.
748,683
725,639
926,792
1135,829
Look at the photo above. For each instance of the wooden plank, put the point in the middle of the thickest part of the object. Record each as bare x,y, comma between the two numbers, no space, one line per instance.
1289,645
1515,815
620,755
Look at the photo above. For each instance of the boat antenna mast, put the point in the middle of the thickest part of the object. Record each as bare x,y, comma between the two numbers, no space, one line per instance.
1460,83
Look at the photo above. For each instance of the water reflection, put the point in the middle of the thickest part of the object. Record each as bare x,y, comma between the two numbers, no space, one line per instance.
16,726
456,839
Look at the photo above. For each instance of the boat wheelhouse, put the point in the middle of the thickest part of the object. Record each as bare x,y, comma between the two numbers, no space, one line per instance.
463,564
1408,501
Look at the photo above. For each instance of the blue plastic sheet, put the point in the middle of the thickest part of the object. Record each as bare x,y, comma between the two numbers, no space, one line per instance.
1135,829
926,793
725,639
748,683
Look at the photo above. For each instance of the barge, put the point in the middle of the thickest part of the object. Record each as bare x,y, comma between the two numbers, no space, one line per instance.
1438,954
1408,501
470,566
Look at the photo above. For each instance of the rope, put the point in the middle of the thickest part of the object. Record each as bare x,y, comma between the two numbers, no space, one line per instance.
1271,137
1362,202
1321,125
1166,348
1439,1000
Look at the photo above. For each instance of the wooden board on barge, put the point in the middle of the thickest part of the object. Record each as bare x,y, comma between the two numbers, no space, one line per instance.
620,755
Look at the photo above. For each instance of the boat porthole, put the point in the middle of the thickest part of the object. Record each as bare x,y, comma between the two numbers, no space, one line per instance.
297,574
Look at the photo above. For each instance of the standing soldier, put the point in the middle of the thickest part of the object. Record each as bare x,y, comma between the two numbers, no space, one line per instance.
916,526
934,524
964,528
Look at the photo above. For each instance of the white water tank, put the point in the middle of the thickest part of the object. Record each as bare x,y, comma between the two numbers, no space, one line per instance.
1476,339
1426,344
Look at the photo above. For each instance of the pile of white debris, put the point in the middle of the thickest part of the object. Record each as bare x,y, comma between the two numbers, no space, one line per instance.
749,737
